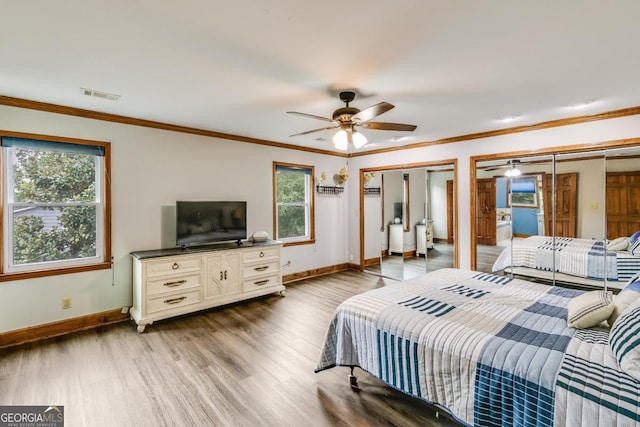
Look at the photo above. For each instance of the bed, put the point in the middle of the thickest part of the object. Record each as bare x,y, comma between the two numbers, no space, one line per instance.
568,260
490,350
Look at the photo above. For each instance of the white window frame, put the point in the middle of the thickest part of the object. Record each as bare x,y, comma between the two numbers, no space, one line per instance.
308,204
99,259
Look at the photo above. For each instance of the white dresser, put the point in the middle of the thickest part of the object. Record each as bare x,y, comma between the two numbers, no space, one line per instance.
171,282
396,237
424,238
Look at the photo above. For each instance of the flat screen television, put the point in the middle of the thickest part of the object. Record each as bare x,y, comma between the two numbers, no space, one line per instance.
200,223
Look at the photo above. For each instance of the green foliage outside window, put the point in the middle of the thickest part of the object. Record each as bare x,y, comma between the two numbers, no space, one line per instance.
291,188
44,179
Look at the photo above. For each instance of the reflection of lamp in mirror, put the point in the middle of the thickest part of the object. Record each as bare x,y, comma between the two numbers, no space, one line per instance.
513,169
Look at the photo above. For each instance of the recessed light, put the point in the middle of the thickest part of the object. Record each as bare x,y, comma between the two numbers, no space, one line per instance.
509,118
582,104
399,138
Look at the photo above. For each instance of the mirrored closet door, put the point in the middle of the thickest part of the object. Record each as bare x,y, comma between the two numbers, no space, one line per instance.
559,214
409,223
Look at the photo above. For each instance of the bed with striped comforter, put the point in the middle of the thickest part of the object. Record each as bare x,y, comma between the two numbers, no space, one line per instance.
489,349
577,257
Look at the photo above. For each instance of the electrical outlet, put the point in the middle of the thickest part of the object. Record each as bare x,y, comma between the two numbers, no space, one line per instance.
124,310
351,257
66,303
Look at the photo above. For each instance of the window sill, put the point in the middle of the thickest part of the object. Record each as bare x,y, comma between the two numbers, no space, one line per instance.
300,242
7,277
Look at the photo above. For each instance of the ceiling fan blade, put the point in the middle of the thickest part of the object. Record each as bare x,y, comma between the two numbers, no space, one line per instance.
388,126
510,163
373,111
311,116
314,130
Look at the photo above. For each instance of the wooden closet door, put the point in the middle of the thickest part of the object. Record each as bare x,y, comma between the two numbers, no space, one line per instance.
486,211
623,203
566,202
450,211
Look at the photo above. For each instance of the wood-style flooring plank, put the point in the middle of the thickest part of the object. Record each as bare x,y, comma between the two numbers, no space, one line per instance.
247,364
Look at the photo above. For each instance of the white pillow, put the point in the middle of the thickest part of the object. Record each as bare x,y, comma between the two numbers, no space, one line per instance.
627,295
589,309
624,340
619,244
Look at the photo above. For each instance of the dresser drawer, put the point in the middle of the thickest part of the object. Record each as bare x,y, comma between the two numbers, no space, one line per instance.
165,284
261,255
157,304
260,282
261,269
166,266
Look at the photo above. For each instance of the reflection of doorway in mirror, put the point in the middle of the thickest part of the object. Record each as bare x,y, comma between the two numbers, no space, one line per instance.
407,189
439,218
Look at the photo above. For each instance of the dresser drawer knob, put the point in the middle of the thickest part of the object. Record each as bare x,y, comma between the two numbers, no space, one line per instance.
261,254
261,282
175,266
174,300
263,268
175,283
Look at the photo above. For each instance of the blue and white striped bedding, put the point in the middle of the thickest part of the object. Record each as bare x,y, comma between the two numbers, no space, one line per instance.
577,257
490,349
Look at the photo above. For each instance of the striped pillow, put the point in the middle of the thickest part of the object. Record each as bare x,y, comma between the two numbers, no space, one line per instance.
624,340
627,295
634,247
589,309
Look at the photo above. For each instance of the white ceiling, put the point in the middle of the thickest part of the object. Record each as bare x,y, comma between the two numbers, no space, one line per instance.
449,67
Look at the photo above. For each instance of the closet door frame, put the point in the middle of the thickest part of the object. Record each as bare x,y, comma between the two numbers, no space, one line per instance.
474,160
445,162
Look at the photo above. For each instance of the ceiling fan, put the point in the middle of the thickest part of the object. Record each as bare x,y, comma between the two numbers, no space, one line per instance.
511,168
347,118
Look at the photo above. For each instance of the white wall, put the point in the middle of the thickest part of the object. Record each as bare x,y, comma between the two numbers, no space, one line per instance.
438,201
373,221
151,169
579,134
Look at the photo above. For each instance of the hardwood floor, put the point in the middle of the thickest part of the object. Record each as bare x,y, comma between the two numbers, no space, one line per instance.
396,267
486,256
249,364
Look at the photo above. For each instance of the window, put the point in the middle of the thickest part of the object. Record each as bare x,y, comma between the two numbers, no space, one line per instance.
293,203
523,192
55,206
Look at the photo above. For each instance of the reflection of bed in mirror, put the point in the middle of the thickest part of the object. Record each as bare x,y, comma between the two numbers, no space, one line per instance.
582,262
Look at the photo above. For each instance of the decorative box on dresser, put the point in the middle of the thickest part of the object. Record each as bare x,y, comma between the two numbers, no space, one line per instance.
171,282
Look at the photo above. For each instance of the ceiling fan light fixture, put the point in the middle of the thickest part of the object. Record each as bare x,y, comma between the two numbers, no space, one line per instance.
347,117
340,140
512,172
359,140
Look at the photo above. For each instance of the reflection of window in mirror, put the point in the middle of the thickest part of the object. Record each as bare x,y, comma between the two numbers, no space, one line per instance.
405,205
524,192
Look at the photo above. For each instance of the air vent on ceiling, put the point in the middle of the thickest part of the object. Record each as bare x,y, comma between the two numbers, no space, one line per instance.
99,94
